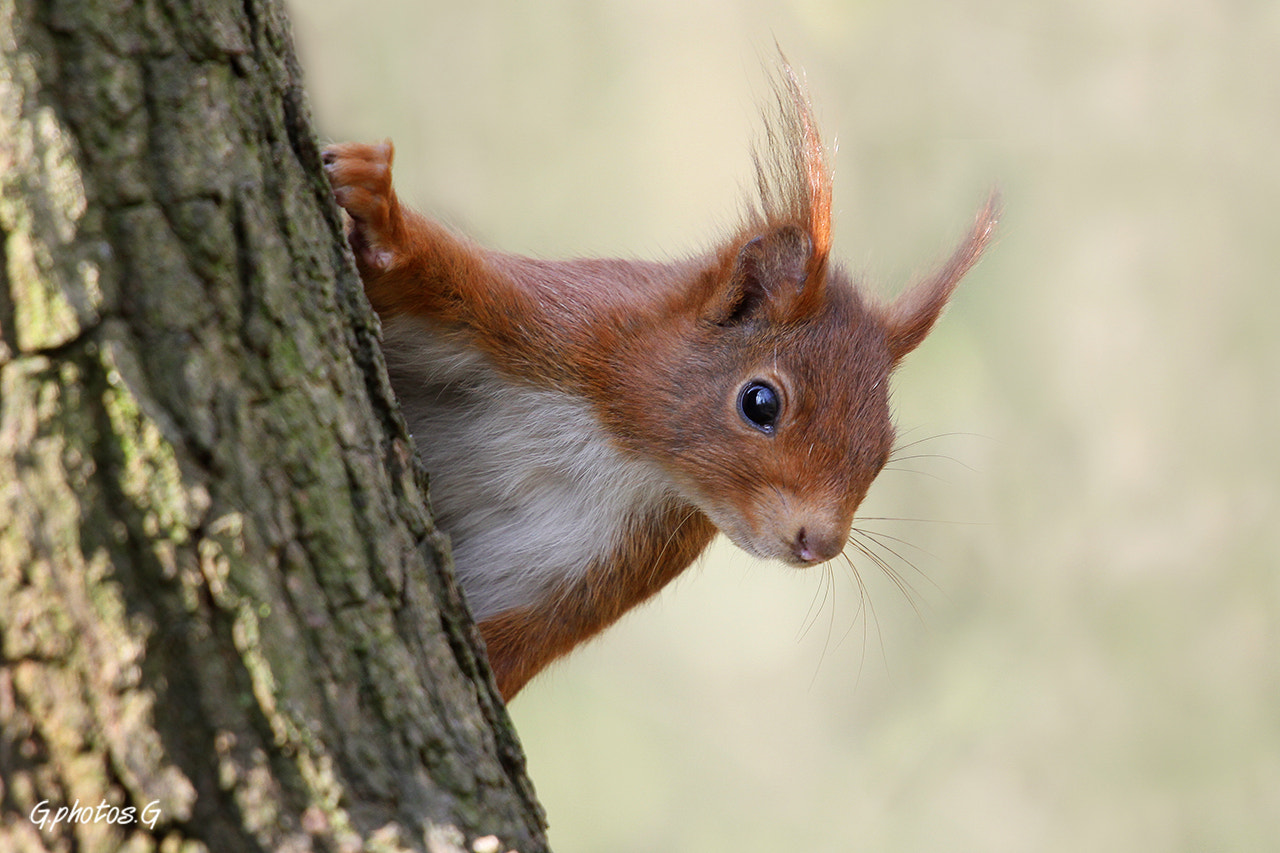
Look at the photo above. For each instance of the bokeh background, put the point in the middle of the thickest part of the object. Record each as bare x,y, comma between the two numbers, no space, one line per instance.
1089,654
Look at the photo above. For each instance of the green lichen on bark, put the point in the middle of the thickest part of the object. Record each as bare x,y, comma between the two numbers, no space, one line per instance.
74,651
219,590
53,288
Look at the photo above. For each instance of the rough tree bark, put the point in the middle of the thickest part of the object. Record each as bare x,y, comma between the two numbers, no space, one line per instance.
222,603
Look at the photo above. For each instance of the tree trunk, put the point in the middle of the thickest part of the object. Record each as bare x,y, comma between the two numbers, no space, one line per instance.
226,620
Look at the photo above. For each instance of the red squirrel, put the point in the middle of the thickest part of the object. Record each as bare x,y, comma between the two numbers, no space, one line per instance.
589,425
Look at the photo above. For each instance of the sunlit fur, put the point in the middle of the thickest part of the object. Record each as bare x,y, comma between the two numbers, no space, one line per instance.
579,418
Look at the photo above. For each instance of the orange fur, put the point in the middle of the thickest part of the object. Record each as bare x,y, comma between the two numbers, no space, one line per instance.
523,641
661,354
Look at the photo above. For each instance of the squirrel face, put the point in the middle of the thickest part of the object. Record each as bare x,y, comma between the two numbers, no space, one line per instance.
810,428
769,406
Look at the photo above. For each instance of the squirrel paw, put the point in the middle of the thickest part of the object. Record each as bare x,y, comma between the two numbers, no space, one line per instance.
361,178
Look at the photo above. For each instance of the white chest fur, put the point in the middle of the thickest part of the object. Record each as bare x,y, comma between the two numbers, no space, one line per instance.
525,481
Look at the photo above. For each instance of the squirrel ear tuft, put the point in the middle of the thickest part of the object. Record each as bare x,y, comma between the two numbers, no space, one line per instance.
910,317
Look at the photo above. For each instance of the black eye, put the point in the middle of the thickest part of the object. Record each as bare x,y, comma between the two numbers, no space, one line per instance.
758,404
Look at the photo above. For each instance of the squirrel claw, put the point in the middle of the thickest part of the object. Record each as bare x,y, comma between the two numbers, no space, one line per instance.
360,175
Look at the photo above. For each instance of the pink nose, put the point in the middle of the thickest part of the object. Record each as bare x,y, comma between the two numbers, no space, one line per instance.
812,546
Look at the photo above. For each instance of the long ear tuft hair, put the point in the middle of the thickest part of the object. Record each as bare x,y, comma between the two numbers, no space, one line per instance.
790,223
793,177
910,317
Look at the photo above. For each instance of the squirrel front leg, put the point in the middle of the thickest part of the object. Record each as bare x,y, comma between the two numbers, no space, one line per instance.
409,264
412,265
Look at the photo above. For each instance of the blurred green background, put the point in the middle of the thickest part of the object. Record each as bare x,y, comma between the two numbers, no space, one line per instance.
1092,530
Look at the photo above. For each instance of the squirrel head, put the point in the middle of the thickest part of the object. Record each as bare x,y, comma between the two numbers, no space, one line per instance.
769,402
785,391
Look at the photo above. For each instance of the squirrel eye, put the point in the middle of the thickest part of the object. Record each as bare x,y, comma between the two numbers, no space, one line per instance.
758,404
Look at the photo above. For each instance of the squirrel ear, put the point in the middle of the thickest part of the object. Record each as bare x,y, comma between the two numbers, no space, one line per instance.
910,317
770,276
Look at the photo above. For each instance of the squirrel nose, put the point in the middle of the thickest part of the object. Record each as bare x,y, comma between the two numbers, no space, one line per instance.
811,546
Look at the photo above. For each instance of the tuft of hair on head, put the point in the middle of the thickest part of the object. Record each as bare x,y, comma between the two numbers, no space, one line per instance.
793,177
910,317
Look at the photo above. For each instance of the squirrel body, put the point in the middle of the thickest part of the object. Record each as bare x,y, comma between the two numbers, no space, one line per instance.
588,425
529,485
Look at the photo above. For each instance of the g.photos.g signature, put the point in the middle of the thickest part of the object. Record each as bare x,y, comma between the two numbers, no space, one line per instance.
45,816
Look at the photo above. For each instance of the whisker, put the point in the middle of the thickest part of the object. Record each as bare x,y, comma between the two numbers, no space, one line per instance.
867,608
885,551
911,592
939,435
865,614
922,520
932,476
888,553
877,535
820,596
908,590
895,459
829,582
864,598
883,566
